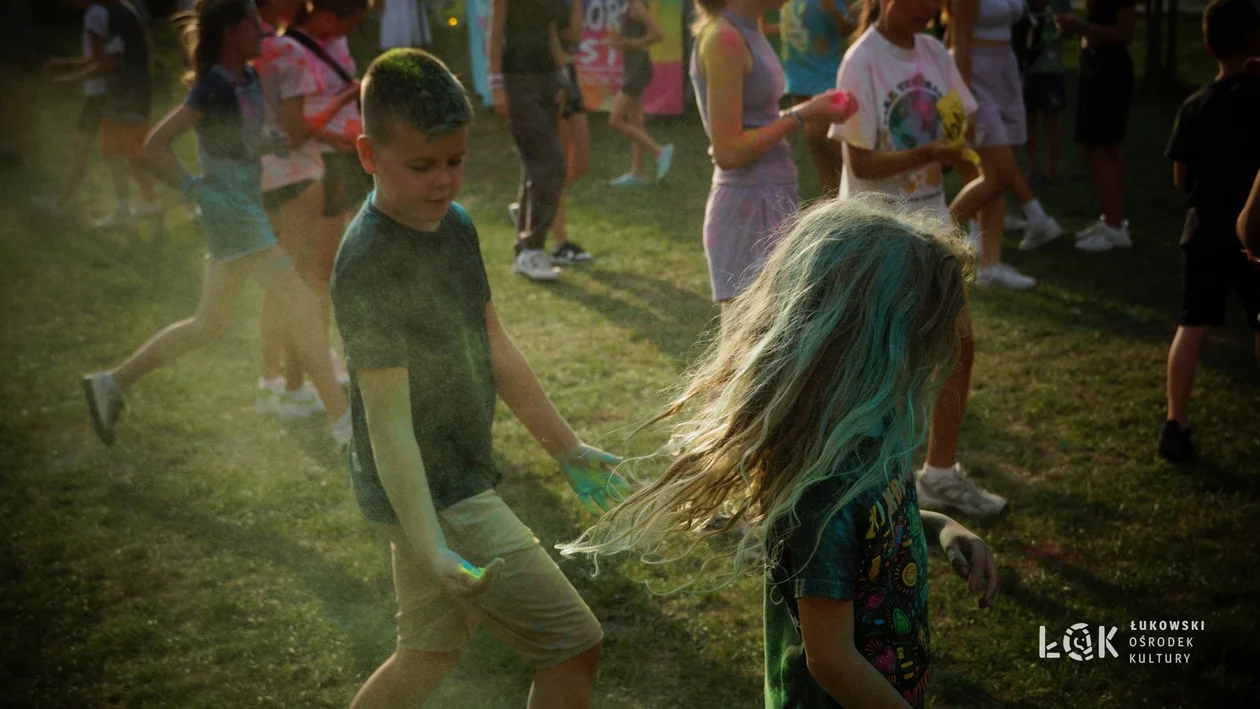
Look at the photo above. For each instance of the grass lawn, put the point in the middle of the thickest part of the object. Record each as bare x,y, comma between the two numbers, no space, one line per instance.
215,559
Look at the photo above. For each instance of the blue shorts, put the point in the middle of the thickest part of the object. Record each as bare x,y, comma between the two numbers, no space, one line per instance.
232,216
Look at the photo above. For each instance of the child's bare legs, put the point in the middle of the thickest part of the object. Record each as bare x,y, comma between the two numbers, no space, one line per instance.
220,287
568,685
575,136
991,231
297,223
627,119
1182,358
1106,164
405,681
951,407
300,308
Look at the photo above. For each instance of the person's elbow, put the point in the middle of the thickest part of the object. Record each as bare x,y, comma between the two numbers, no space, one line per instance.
828,668
727,158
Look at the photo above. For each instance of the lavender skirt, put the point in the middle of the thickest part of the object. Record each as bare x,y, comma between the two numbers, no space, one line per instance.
742,225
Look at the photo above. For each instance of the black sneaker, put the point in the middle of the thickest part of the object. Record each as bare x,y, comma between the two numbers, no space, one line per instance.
1175,444
569,253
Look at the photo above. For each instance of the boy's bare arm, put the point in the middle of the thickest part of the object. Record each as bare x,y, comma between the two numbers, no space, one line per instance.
516,384
589,470
386,397
833,659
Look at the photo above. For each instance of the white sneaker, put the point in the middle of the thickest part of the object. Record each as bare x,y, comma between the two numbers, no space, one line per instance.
1091,229
536,265
953,490
142,210
1043,232
1120,237
1010,222
342,430
267,396
1004,276
119,218
105,402
299,404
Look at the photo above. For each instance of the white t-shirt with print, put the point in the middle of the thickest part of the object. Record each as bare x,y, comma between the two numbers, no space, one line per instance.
285,73
897,90
329,86
95,22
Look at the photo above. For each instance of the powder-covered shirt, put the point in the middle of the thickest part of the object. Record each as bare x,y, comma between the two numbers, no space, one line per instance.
897,90
285,74
872,552
414,299
329,86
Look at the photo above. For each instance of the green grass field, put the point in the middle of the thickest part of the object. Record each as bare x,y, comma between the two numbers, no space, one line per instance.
215,559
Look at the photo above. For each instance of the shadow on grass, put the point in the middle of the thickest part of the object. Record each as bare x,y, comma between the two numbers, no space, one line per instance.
672,318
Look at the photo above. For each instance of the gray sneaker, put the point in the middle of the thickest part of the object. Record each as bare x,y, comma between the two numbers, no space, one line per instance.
105,401
955,491
536,265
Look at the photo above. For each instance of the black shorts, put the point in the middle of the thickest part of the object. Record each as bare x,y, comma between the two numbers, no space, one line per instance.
1045,92
280,196
91,114
345,183
573,103
1105,92
1210,273
636,74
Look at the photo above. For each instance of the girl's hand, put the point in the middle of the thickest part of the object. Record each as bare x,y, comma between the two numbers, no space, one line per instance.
590,473
460,577
971,559
831,107
947,153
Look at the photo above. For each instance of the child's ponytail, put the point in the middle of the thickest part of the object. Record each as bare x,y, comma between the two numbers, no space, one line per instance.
203,32
869,16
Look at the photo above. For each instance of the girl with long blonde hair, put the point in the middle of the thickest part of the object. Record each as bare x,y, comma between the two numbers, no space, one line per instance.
802,419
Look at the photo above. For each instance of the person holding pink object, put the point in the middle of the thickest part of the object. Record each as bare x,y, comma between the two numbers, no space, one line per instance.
738,84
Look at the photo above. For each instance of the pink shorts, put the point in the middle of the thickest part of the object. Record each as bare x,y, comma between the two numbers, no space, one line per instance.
1000,119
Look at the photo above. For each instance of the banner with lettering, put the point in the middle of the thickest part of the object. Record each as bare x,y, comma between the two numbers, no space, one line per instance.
598,64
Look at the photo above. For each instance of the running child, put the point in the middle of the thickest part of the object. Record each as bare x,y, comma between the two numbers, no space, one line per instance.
802,420
637,32
127,110
293,195
428,357
89,70
1216,157
225,108
894,146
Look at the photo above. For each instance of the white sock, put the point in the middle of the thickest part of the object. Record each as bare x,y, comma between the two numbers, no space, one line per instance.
933,473
276,384
1034,212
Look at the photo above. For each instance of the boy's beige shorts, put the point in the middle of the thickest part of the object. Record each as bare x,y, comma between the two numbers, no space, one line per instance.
530,606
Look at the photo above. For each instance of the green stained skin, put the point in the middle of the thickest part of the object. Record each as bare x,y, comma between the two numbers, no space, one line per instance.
475,572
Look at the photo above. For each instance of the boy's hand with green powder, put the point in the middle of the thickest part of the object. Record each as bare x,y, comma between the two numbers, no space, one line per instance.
460,576
590,473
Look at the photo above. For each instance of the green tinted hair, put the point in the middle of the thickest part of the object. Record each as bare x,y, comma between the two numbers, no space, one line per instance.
835,353
413,88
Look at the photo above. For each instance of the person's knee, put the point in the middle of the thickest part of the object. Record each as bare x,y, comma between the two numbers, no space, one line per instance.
579,669
208,328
